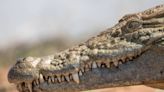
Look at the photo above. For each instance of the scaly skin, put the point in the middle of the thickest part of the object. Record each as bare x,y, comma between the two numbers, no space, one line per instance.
102,61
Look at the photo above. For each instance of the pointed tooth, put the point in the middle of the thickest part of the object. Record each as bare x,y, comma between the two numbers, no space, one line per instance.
111,64
67,78
94,65
99,64
19,87
25,85
41,80
127,59
46,78
29,86
34,83
49,80
52,79
86,67
56,79
108,65
76,77
105,64
120,62
71,77
62,78
59,79
37,82
90,65
82,69
80,73
123,59
130,58
115,63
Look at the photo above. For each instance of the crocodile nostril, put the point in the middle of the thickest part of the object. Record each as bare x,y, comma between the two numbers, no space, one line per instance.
19,60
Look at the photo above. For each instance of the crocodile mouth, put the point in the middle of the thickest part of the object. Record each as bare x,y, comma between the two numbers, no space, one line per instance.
103,62
74,77
45,76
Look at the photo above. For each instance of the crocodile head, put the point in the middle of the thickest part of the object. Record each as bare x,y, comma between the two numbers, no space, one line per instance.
74,67
143,32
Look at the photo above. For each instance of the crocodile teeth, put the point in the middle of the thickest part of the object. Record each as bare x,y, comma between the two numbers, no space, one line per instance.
115,63
80,73
19,87
71,78
103,65
94,65
76,77
119,62
62,78
59,79
99,64
67,78
56,79
46,78
82,69
34,83
90,65
49,80
108,65
86,68
37,82
29,87
41,80
123,60
53,79
130,58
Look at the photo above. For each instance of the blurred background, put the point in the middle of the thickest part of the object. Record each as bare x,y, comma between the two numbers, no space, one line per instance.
43,27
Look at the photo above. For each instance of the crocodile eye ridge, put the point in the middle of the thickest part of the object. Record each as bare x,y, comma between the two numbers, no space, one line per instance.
133,25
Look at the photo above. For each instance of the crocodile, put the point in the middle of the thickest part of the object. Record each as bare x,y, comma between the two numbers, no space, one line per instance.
129,53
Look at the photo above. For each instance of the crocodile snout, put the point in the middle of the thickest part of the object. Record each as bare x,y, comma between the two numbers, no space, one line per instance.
24,70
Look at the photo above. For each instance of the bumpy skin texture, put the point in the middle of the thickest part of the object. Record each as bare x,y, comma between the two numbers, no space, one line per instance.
130,53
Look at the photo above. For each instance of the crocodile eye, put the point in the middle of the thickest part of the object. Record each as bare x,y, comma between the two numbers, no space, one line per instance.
133,25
